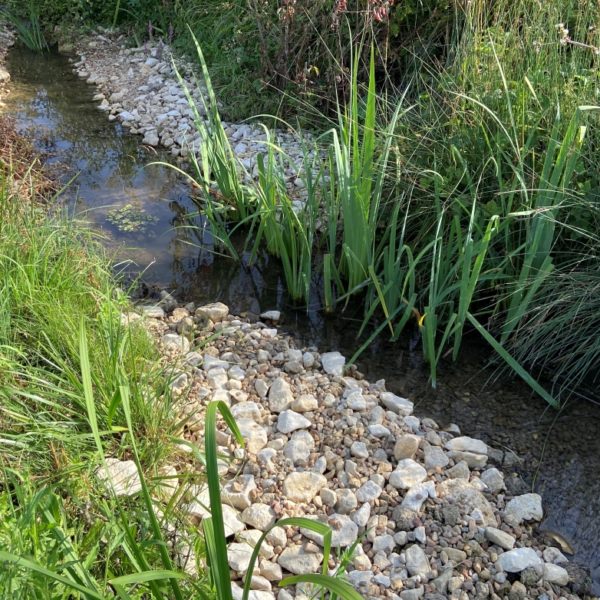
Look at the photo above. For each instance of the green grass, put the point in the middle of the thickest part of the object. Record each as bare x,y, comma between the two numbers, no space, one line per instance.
78,386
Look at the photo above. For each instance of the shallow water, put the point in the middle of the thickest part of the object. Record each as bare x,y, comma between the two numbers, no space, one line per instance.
559,453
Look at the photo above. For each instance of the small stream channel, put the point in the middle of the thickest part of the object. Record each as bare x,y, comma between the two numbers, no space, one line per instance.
559,455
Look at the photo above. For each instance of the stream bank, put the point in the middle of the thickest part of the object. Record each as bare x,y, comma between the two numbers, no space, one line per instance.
275,297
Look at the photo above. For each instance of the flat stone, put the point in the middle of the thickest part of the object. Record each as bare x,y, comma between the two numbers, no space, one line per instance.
459,471
527,507
435,458
239,492
303,486
494,480
215,312
406,446
238,557
120,476
299,562
417,562
289,421
467,444
474,461
254,435
344,531
260,516
407,474
464,495
333,363
399,405
368,492
271,315
515,561
555,574
416,496
152,312
280,395
174,341
500,538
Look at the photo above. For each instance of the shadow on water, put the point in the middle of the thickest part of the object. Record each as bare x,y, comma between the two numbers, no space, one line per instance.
559,455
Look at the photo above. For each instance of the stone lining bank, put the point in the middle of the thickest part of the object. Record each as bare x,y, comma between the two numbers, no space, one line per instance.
430,509
140,88
6,41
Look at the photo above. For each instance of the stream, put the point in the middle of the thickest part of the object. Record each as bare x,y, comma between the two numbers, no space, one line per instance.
145,217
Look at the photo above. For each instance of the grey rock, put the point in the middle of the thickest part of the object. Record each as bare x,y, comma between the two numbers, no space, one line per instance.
280,395
174,341
467,444
239,492
303,486
361,516
417,562
289,421
435,458
299,562
527,507
368,492
407,474
494,480
333,363
515,561
399,405
413,594
359,449
299,447
463,494
555,574
121,477
215,312
417,494
500,538
259,516
238,556
271,315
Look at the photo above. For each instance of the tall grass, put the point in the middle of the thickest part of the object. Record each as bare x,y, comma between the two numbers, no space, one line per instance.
28,25
439,207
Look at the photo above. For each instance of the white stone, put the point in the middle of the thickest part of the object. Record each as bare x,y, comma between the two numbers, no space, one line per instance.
289,421
407,474
299,447
305,403
344,531
260,516
416,495
303,486
359,449
254,435
120,476
362,515
280,395
368,492
515,561
467,444
174,341
299,562
238,557
500,538
417,562
271,315
215,312
333,363
399,405
153,312
527,507
239,492
555,574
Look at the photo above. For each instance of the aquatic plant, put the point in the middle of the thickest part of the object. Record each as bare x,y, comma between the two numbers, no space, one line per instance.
130,218
28,25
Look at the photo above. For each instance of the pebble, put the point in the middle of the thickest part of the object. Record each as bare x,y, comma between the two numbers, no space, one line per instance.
527,507
515,561
289,421
407,474
303,486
